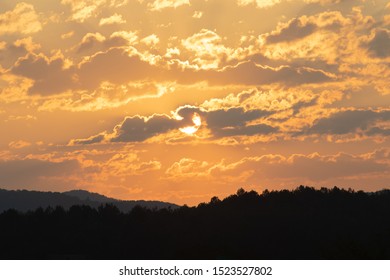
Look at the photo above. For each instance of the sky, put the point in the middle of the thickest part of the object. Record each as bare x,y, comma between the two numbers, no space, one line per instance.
183,100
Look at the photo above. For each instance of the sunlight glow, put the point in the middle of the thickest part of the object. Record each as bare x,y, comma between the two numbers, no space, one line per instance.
192,129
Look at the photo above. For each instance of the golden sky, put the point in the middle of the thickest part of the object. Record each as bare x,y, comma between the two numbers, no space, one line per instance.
182,100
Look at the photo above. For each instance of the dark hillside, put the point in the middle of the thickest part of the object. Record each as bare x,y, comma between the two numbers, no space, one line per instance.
23,200
300,224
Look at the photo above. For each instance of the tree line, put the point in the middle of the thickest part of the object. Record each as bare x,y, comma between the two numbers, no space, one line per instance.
305,223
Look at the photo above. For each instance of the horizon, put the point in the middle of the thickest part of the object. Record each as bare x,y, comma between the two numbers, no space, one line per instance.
183,100
66,192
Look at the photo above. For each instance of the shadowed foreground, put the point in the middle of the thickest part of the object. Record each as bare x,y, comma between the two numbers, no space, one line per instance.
300,224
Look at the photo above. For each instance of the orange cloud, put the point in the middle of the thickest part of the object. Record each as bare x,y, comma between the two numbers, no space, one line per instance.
158,5
259,3
84,9
114,19
170,100
22,19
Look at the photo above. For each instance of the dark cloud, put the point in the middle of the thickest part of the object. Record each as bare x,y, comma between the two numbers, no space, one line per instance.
253,74
89,41
379,46
11,52
232,117
222,123
249,130
348,122
116,40
233,122
303,104
50,76
94,42
293,30
298,28
137,129
250,73
238,122
187,112
378,131
91,140
117,65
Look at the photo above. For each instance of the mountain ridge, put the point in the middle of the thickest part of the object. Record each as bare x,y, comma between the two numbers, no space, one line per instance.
26,200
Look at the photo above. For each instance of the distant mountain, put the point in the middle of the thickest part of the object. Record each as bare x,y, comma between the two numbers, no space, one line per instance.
23,200
86,195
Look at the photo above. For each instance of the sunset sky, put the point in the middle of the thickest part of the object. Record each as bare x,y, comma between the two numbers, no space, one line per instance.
182,100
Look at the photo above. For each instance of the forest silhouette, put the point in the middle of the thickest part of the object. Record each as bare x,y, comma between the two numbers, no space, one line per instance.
305,223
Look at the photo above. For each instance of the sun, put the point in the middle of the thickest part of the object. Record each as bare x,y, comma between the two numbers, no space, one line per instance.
194,128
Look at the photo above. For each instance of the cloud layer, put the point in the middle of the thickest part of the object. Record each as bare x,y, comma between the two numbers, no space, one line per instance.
185,100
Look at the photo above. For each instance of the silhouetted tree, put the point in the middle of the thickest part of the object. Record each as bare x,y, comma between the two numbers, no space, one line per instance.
301,224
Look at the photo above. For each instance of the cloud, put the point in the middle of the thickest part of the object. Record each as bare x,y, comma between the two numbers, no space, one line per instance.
273,99
150,40
10,52
137,129
84,9
20,118
249,73
19,144
24,45
130,67
50,75
89,40
197,14
22,19
295,29
107,96
158,5
303,26
94,43
313,38
122,38
351,121
234,122
91,140
248,130
259,3
230,122
311,168
127,164
205,49
289,77
114,19
55,75
31,172
374,131
379,45
324,2
221,123
67,35
232,117
188,168
318,167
